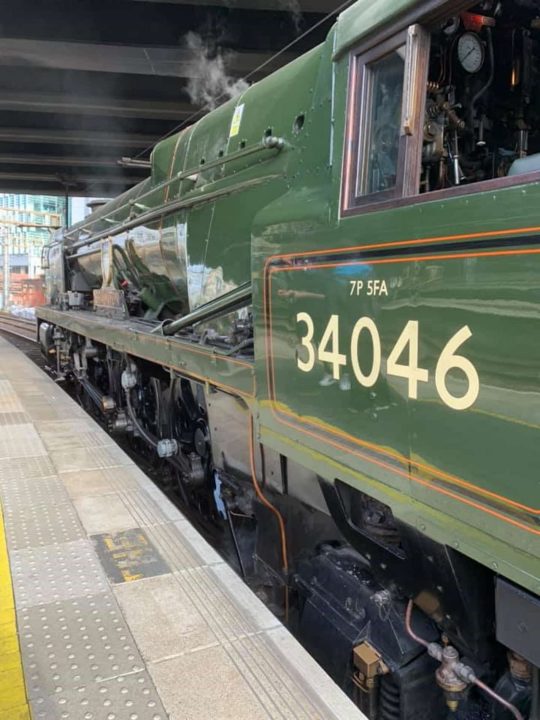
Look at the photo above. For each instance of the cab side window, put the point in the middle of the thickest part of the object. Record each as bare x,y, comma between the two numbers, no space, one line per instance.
383,121
450,106
379,148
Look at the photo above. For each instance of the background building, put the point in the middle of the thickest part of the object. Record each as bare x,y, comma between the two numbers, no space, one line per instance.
26,223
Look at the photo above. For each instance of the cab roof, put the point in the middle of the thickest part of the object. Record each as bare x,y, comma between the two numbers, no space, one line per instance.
366,16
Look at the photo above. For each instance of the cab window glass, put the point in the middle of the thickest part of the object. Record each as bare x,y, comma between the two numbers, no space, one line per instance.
379,152
449,106
383,125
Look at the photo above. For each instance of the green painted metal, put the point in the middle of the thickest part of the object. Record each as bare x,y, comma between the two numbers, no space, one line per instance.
466,477
241,297
132,337
184,236
366,16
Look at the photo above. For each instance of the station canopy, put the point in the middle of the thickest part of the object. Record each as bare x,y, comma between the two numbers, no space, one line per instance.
84,84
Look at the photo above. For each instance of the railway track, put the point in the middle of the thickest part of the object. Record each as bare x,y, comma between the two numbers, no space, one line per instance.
21,327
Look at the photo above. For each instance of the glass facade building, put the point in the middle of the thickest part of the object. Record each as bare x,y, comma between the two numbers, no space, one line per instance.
26,222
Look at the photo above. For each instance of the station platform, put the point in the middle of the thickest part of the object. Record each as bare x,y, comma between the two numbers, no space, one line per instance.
112,606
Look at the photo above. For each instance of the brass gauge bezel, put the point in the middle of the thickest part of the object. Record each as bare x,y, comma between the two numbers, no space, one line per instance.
471,52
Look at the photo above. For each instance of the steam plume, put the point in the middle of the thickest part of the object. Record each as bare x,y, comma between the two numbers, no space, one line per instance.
293,7
211,85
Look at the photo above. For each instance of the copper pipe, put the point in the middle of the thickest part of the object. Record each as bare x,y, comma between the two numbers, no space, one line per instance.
463,671
408,614
512,708
272,508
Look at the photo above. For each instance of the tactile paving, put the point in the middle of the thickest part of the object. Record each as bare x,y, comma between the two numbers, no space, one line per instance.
67,643
142,508
56,572
89,459
20,441
16,469
101,481
72,426
74,438
41,410
175,548
192,636
27,492
9,402
40,525
13,418
128,697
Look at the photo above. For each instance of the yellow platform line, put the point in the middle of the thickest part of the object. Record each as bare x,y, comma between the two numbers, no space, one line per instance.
13,700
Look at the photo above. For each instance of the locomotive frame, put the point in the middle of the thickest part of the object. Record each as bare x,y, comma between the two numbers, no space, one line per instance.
245,266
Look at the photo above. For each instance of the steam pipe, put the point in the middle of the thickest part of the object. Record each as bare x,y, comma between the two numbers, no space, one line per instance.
268,143
150,439
248,342
133,163
408,628
235,540
511,708
490,78
240,297
465,672
166,209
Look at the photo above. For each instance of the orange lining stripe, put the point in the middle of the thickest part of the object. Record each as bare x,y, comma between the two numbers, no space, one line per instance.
217,356
419,258
405,461
386,466
406,243
188,348
183,371
203,378
378,448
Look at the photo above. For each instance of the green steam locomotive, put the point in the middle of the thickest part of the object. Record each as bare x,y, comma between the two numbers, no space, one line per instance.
319,313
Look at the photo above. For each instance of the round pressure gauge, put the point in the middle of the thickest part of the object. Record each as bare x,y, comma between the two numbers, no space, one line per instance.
470,51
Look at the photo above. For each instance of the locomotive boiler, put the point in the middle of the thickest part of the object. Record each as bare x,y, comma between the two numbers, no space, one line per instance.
319,315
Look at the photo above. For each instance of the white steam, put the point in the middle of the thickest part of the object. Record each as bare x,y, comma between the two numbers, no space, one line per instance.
293,7
210,85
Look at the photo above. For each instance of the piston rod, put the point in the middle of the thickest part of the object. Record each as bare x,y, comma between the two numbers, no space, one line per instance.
234,300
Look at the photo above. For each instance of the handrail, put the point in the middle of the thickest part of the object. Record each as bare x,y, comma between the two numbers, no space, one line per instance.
168,208
268,143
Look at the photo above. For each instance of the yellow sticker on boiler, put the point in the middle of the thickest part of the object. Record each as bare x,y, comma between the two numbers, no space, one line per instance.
236,120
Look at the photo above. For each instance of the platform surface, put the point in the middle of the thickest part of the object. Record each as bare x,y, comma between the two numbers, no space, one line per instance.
121,610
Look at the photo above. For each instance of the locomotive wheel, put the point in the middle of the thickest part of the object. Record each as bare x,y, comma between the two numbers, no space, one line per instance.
148,405
182,425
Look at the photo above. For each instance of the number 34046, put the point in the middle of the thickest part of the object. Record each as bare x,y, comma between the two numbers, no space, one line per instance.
365,331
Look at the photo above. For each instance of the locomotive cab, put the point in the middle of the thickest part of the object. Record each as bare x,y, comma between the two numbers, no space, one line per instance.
447,104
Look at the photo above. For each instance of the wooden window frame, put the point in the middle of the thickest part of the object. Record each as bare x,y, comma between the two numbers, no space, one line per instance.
374,48
416,40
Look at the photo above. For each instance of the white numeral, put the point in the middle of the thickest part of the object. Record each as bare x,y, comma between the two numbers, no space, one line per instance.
333,357
410,371
370,379
408,341
448,361
306,365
